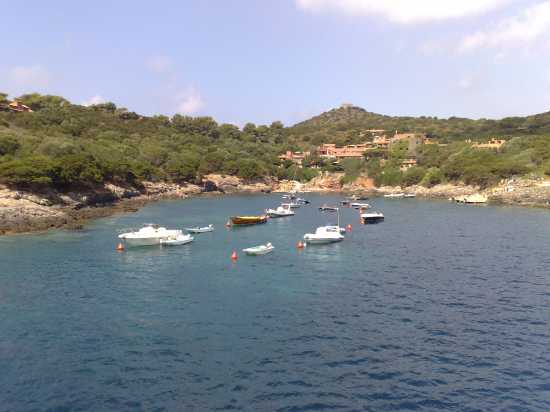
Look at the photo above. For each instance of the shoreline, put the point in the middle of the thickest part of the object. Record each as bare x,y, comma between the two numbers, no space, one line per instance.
26,212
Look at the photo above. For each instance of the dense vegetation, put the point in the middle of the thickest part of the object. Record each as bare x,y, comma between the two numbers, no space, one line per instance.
65,146
527,149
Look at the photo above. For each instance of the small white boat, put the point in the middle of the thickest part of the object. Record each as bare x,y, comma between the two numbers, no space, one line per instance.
292,205
259,250
327,208
281,211
302,201
177,240
409,195
209,228
149,234
359,205
324,235
372,217
395,195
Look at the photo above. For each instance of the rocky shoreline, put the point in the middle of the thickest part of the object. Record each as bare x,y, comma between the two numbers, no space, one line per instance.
23,211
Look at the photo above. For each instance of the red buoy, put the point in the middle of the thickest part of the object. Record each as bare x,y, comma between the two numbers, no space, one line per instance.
300,245
234,255
120,247
348,228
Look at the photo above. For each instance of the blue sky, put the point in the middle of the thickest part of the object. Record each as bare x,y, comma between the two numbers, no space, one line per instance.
265,60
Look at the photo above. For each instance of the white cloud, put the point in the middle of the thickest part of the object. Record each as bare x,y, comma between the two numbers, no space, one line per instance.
190,102
97,99
517,31
29,78
159,64
404,11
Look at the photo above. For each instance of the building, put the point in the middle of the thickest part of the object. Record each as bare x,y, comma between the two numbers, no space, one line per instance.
494,144
16,106
407,164
381,142
295,157
330,151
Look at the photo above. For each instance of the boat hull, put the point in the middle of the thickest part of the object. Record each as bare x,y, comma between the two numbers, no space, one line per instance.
372,220
135,242
248,220
318,241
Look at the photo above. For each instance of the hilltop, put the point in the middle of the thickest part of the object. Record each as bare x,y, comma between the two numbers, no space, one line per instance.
344,125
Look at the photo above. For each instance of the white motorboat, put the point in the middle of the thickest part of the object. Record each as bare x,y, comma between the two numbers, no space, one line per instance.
372,217
327,208
324,235
292,205
259,250
281,211
148,235
359,205
303,201
209,228
395,195
409,195
177,240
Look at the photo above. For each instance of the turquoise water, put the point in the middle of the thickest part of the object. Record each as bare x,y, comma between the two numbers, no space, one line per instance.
440,307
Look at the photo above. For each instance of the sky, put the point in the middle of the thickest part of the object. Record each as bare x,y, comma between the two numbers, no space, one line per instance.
263,60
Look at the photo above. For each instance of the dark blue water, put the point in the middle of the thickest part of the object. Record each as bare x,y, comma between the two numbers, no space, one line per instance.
441,307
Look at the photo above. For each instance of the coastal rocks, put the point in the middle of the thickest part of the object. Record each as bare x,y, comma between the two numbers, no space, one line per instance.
444,191
234,184
324,182
521,191
163,190
361,184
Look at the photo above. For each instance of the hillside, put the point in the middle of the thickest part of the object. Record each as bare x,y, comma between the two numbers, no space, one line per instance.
343,125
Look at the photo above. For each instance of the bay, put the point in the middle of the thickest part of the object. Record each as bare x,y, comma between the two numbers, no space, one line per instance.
440,307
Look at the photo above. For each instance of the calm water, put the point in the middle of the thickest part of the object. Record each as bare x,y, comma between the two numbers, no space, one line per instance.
441,307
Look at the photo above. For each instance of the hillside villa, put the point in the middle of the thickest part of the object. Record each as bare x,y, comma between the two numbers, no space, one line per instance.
295,157
494,144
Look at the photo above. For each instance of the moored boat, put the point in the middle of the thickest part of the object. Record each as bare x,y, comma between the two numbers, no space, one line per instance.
149,234
327,208
281,211
248,220
292,205
177,240
259,250
324,235
372,217
196,229
359,205
395,195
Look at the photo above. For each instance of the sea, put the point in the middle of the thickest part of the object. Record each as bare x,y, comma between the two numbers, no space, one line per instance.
440,307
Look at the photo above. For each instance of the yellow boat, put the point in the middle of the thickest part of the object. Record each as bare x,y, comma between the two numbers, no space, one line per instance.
248,220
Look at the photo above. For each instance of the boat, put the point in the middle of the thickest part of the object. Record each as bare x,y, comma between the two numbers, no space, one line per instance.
372,217
259,250
324,235
302,201
358,197
292,205
289,196
178,240
204,229
409,195
149,234
395,195
359,205
248,220
327,208
281,211
476,198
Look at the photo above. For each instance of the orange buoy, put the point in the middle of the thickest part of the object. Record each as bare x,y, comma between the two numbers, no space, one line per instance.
234,255
348,228
300,244
120,247
228,224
